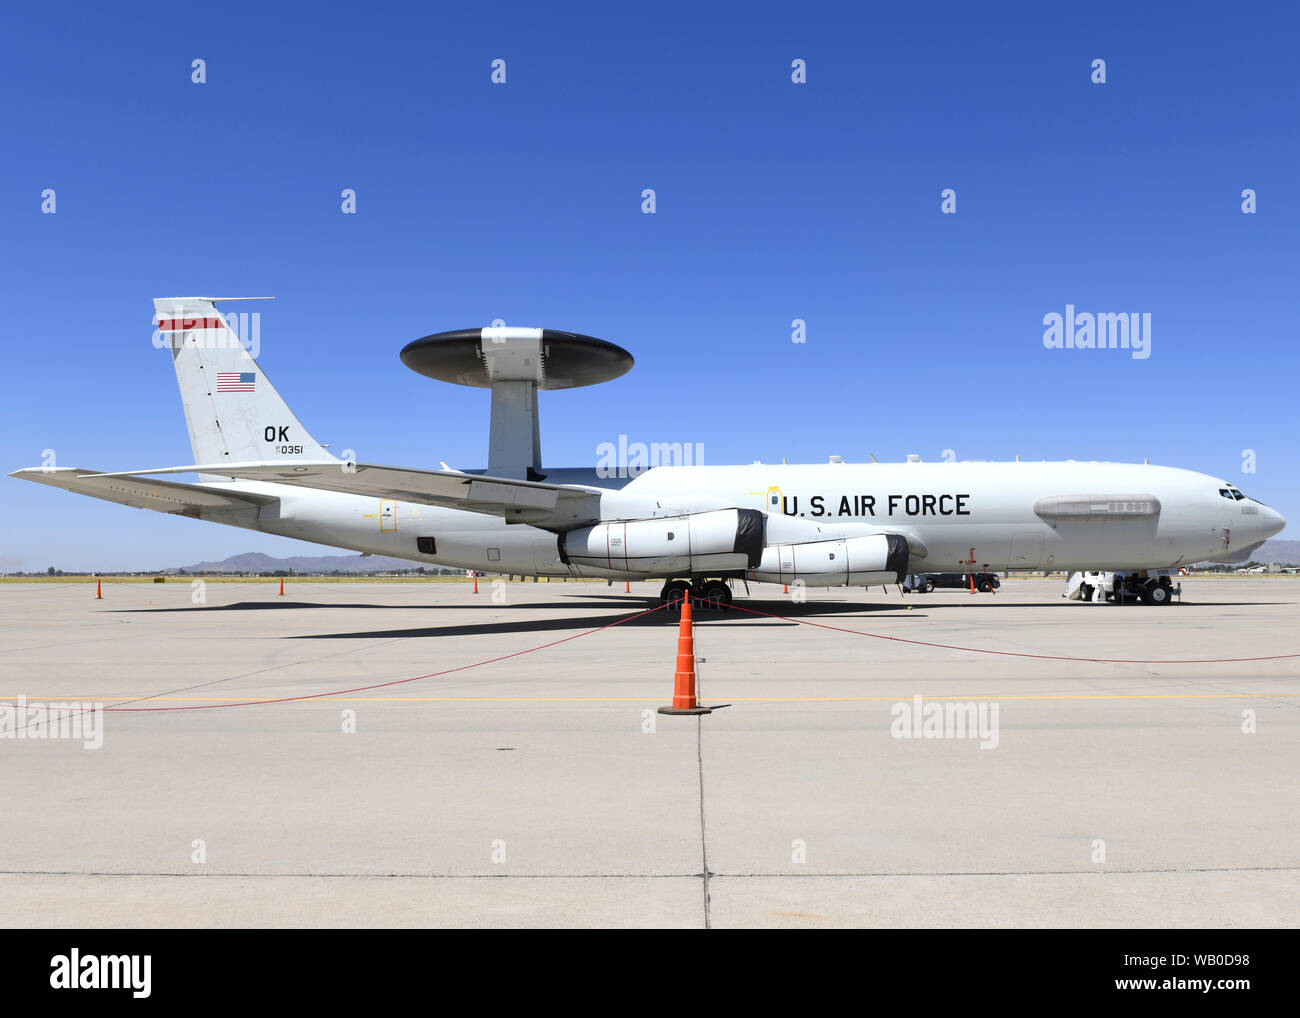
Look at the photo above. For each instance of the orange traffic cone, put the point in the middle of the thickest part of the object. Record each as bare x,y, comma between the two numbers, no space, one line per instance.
282,586
684,700
476,583
786,590
627,586
99,591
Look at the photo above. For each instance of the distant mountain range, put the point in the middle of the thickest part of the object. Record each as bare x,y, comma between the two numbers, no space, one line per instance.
257,562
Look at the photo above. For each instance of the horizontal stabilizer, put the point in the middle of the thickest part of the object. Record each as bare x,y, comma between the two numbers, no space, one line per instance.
550,506
160,496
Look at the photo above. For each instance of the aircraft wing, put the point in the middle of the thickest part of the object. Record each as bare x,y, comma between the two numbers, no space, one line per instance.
550,506
158,495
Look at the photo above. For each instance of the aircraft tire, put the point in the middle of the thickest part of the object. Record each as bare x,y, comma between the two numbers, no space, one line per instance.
673,591
1158,594
717,590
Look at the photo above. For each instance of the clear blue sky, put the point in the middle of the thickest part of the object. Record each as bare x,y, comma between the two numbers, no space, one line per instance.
776,201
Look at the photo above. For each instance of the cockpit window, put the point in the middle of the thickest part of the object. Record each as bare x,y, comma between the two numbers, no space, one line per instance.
1231,493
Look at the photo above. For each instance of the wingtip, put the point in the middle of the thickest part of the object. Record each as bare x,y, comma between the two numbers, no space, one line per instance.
26,473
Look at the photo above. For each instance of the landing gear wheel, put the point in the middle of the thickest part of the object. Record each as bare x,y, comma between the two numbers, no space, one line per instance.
929,587
1085,592
1156,593
673,591
717,591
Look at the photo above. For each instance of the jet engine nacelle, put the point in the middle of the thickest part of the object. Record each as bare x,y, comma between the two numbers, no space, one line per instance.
721,541
852,561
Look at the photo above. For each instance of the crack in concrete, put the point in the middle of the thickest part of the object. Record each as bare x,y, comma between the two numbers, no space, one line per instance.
704,843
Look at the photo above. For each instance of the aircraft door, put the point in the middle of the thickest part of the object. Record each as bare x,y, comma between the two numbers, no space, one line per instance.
388,515
1026,549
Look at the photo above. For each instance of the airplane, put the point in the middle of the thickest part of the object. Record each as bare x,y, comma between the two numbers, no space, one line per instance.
694,527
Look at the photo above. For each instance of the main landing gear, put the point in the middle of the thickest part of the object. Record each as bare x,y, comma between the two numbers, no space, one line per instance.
714,593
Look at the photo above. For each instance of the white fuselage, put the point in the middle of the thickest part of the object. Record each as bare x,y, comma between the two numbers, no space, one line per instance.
998,515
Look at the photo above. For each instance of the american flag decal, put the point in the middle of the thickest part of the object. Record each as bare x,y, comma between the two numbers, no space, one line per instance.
236,381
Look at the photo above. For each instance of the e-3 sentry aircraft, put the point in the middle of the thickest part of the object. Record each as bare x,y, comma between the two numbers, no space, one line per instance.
828,524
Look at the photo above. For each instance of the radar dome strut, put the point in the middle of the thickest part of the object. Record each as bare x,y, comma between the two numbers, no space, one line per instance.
514,363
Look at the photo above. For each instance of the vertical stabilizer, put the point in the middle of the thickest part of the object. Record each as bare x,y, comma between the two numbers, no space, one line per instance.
234,413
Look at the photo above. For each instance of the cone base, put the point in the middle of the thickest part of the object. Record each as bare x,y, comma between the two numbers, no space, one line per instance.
685,710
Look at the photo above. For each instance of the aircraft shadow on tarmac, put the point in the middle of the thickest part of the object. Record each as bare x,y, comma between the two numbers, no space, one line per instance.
702,617
624,604
772,607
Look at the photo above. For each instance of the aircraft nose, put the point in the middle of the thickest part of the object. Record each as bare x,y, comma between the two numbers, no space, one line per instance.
1272,521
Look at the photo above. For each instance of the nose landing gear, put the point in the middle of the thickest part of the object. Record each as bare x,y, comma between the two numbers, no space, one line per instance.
1154,590
1158,591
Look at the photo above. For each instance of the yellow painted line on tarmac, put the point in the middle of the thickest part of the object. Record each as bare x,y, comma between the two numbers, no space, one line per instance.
650,699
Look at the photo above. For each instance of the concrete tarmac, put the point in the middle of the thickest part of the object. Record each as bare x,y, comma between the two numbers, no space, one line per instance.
523,778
